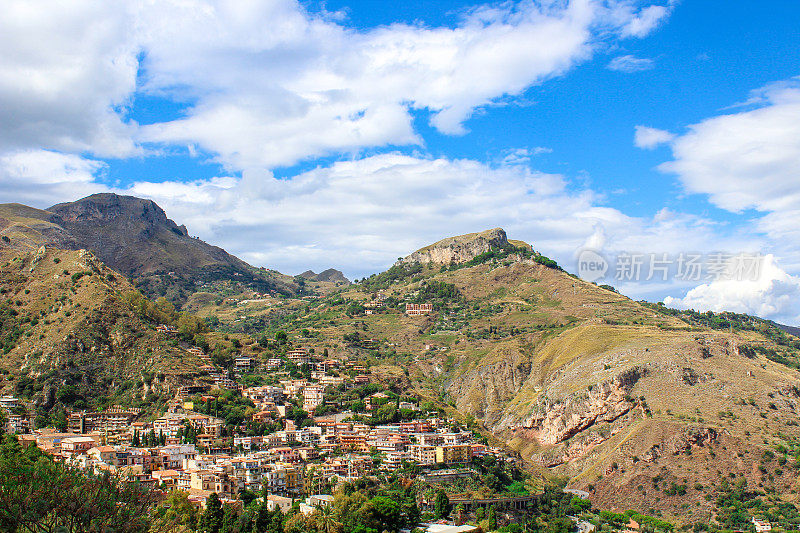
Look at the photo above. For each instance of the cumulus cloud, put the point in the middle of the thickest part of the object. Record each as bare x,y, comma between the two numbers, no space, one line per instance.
746,160
774,295
268,83
309,87
649,138
361,215
65,68
640,22
42,177
630,63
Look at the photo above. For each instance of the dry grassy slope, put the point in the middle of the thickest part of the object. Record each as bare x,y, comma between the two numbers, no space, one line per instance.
84,334
575,339
28,228
548,383
689,378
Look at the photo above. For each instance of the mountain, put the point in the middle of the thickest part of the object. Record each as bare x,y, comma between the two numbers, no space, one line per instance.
643,406
135,237
330,275
793,330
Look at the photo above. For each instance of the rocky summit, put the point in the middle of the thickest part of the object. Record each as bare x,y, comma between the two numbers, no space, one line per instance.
462,248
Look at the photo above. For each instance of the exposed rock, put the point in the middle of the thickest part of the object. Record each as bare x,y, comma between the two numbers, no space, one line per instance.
483,391
40,254
693,436
576,449
330,275
691,377
555,421
461,248
652,454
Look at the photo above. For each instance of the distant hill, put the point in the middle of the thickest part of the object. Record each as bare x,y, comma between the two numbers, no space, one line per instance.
794,330
135,237
330,275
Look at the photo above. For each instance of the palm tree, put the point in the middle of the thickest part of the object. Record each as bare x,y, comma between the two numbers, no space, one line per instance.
326,520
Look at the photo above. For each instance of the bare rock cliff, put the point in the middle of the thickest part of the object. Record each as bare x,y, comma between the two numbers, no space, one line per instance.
553,421
459,249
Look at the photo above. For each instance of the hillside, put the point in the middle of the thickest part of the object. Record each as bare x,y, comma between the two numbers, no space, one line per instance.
645,407
76,333
135,237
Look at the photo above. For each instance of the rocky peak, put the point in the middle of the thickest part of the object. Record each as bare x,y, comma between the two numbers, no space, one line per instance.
109,208
459,249
331,275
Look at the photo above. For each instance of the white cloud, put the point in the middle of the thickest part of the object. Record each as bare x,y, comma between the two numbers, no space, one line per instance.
361,215
64,67
42,178
774,295
745,160
649,138
521,156
310,87
630,63
268,83
645,20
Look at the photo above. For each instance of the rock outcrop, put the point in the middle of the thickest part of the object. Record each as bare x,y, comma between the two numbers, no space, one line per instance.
554,421
461,248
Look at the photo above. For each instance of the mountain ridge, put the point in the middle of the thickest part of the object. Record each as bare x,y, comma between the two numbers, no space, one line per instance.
135,236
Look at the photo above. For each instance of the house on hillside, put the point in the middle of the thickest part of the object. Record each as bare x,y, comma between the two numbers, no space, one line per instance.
418,309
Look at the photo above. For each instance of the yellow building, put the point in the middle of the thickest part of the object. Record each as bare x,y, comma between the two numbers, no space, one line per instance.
454,453
292,479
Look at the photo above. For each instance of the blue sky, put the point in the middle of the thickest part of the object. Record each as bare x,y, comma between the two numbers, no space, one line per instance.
345,134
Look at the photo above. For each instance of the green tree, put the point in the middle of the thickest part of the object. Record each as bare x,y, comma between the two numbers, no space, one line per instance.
211,520
491,519
382,514
38,494
175,512
441,506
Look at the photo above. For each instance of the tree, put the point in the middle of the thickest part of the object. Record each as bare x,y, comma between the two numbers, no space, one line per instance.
491,519
247,496
38,494
441,507
326,519
211,521
382,514
268,521
176,511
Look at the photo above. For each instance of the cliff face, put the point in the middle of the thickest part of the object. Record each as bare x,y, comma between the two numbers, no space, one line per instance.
554,421
459,249
122,211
